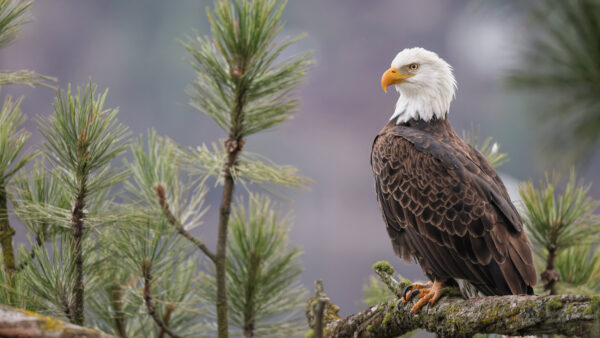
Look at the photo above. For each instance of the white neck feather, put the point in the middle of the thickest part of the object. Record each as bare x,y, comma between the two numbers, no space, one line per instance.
421,105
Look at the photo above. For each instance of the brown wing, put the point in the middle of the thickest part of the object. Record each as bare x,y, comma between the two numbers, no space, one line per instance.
446,207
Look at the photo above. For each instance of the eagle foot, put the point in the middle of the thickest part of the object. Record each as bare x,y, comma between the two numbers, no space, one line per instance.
412,290
427,294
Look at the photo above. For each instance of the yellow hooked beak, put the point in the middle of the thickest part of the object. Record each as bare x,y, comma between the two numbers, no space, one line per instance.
393,76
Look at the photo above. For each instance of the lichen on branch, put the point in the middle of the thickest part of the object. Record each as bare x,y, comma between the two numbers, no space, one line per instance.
514,315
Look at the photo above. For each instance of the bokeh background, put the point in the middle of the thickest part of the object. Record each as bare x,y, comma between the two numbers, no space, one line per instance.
131,48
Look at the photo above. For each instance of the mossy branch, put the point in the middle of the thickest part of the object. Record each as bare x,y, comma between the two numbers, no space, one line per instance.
570,315
22,323
514,315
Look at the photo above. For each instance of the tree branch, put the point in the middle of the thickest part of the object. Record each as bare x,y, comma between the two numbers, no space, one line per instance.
38,243
162,199
169,308
77,226
22,323
319,308
570,315
514,315
147,274
6,233
234,147
119,318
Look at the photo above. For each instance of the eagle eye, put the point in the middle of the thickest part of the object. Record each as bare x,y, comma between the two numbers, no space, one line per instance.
413,66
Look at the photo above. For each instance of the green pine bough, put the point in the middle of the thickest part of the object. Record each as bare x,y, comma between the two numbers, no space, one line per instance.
246,89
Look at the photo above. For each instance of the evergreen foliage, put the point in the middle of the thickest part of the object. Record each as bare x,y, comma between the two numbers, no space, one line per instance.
489,148
556,222
131,268
13,14
562,62
245,85
81,140
579,268
251,168
12,139
242,82
376,292
134,268
265,297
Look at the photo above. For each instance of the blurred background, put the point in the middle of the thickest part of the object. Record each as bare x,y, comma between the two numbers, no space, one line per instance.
131,48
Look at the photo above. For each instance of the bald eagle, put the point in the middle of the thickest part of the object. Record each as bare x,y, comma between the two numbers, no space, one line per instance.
443,204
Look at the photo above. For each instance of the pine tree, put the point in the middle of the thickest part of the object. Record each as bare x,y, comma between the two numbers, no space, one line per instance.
132,268
561,61
244,87
81,140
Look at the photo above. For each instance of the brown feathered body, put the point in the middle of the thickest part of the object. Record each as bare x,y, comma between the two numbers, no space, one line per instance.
446,207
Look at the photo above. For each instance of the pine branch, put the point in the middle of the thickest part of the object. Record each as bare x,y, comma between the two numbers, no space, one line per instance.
162,198
556,222
489,148
81,140
251,167
262,270
245,91
147,275
37,243
25,77
6,233
169,308
13,14
12,140
561,62
221,256
514,315
119,317
77,220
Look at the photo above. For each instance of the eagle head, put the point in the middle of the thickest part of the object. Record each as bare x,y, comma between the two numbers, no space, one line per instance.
425,83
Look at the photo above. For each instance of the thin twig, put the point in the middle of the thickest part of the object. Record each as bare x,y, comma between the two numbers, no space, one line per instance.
119,315
38,243
162,199
66,307
385,272
147,274
169,308
6,233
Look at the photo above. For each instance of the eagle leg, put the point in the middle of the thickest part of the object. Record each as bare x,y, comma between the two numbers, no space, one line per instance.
428,295
410,291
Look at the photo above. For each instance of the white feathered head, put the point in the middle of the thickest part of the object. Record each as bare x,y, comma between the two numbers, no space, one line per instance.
425,83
